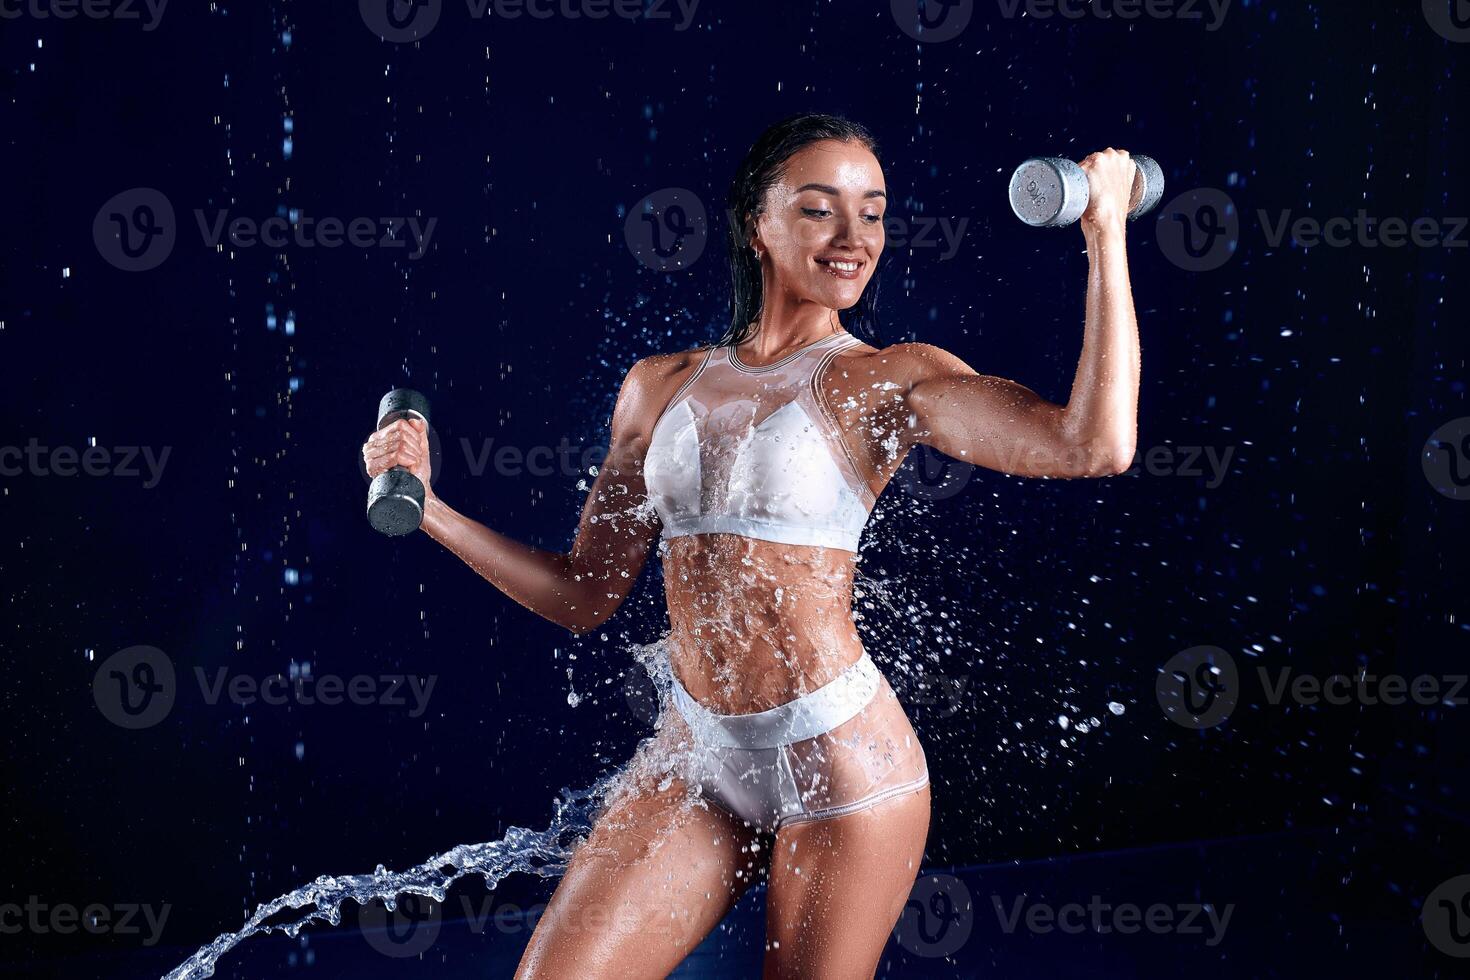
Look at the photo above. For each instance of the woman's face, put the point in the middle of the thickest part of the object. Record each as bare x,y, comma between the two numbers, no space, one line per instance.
822,230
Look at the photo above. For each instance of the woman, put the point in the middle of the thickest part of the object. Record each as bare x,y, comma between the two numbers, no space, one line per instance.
758,459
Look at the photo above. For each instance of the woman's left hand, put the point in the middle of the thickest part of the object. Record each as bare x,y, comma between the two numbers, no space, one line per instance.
1110,188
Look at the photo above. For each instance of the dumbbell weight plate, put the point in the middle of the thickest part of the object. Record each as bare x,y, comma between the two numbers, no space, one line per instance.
1153,185
1048,192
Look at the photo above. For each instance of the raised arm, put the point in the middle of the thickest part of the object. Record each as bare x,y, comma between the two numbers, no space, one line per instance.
1005,426
579,589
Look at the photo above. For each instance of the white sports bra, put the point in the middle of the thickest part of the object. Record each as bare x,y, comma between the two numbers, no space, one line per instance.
753,451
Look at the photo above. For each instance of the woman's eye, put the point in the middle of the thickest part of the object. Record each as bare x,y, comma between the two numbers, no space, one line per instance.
815,212
872,219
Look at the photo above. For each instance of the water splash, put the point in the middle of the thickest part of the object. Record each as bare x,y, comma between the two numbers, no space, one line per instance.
539,852
544,853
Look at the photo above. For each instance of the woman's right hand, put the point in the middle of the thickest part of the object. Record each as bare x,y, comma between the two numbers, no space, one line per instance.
402,443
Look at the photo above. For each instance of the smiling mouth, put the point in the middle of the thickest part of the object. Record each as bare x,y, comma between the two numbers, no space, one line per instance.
842,268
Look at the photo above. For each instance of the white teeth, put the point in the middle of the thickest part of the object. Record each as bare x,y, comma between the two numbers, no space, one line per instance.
843,266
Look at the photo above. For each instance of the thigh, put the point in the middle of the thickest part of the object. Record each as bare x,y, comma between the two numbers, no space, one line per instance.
657,872
838,887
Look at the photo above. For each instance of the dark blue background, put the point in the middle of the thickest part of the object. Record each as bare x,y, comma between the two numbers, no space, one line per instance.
1323,371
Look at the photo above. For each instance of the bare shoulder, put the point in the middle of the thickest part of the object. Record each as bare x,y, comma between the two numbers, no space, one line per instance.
904,364
649,385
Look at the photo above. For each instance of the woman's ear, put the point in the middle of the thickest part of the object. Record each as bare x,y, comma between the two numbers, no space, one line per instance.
753,237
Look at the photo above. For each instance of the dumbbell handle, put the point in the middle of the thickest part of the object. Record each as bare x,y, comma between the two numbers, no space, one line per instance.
396,497
1052,192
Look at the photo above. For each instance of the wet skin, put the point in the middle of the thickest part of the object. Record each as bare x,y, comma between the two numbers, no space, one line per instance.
756,623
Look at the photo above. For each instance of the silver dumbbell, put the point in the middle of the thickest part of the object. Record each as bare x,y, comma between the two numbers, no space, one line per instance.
1051,192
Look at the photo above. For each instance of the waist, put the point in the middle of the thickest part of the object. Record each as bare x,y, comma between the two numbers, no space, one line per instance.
803,717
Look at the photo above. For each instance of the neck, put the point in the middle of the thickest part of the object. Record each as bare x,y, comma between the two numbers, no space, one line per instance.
786,323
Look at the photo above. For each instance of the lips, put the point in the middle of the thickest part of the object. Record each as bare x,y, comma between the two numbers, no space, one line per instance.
841,267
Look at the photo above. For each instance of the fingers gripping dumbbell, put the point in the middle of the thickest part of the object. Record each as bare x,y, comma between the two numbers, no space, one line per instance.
1051,192
396,498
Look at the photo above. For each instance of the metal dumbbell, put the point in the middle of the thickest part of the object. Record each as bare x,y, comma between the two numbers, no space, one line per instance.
1051,192
396,498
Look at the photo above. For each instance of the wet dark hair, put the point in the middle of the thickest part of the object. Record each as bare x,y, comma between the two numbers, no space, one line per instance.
762,167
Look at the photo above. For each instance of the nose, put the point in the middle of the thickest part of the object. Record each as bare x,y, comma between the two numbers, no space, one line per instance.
851,231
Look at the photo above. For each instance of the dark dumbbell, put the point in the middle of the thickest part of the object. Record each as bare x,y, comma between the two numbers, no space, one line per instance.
396,498
1051,192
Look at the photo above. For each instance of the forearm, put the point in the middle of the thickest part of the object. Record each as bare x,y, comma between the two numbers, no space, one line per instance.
542,581
1102,414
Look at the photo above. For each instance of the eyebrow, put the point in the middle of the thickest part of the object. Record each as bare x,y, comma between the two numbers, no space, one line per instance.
829,189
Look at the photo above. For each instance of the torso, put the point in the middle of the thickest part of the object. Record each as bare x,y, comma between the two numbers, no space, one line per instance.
757,623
